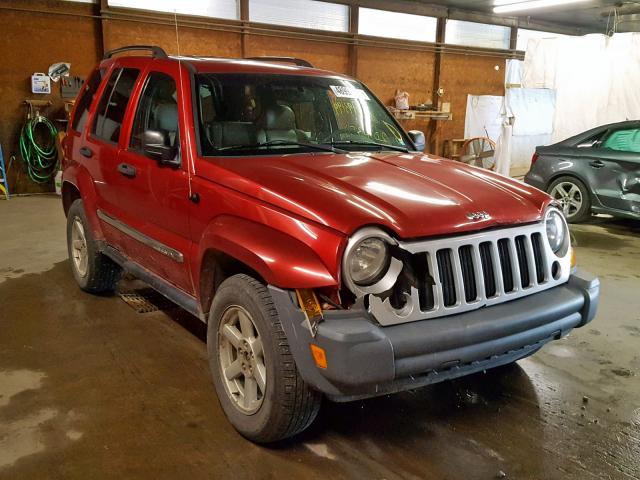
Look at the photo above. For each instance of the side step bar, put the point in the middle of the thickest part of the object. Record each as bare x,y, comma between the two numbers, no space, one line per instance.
177,296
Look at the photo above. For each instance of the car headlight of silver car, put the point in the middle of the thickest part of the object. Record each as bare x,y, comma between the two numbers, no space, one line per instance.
557,231
368,265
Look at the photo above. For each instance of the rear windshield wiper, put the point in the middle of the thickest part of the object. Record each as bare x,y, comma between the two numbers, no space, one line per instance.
281,143
371,144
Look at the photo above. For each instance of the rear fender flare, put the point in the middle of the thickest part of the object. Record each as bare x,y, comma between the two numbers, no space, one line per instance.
82,181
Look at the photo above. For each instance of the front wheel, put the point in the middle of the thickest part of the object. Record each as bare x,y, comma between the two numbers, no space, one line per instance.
573,197
254,373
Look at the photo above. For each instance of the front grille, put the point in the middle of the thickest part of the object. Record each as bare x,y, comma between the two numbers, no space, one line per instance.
465,271
462,273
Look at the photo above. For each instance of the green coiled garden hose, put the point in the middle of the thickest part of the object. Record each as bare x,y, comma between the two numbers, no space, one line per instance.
39,154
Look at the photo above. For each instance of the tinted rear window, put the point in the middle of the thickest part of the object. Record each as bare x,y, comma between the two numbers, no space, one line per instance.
113,104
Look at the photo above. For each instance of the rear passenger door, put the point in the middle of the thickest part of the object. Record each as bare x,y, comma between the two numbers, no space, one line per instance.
102,142
150,199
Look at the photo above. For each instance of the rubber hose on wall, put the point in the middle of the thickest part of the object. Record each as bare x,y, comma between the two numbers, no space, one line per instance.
41,158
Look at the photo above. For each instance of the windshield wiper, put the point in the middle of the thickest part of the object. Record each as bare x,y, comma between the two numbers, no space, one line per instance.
370,144
282,143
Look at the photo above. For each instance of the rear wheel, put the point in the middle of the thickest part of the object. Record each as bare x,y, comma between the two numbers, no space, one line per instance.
254,373
573,197
93,271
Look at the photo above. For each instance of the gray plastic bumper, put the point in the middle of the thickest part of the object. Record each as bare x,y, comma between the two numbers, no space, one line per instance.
365,359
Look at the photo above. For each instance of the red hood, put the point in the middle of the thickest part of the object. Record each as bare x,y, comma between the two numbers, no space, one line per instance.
414,195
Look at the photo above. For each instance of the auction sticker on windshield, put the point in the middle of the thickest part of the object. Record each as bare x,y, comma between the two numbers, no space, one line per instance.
345,91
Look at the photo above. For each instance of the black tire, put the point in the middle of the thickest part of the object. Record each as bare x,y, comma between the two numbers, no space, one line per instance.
288,405
102,273
584,212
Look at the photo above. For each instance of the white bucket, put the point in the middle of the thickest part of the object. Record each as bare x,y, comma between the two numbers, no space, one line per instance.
58,182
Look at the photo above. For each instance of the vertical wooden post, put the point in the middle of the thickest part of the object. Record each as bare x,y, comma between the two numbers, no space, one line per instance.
103,5
353,34
513,41
437,65
433,140
244,18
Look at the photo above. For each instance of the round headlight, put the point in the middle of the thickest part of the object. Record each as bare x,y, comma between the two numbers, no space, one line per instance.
368,261
556,230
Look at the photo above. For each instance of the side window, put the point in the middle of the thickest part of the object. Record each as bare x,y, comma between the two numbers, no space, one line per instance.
157,110
113,104
623,141
89,90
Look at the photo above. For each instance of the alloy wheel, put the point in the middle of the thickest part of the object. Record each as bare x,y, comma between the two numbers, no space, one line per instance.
569,196
79,252
242,363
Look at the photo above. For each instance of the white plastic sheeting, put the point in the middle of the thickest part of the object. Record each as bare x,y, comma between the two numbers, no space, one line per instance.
595,78
518,123
483,117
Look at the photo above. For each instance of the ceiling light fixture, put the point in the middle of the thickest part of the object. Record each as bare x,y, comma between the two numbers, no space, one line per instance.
506,6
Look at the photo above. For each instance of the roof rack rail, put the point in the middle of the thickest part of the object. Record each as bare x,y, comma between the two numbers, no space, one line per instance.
156,52
296,61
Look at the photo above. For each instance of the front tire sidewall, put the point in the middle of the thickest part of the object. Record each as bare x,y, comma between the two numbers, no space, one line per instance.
252,426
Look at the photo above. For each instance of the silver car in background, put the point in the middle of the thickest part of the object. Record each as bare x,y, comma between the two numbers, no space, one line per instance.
597,171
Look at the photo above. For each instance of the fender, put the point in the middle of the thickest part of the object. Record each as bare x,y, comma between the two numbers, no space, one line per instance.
280,259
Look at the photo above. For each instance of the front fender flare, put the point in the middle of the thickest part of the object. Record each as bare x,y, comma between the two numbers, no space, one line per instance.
279,258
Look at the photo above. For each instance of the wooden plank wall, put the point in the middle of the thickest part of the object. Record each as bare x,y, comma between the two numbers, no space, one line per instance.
32,41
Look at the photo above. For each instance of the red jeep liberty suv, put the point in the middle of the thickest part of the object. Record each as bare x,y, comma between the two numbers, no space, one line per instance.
286,208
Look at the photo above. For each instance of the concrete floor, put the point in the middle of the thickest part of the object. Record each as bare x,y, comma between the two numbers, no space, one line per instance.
91,389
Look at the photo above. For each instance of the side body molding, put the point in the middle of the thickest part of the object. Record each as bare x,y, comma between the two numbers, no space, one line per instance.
281,259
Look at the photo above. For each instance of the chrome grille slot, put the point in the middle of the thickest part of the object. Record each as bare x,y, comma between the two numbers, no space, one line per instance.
487,270
523,263
447,277
468,273
536,240
505,264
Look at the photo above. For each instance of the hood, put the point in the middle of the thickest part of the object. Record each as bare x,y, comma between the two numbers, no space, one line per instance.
413,195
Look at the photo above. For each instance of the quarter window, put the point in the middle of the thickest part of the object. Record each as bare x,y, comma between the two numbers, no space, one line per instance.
157,110
89,90
113,104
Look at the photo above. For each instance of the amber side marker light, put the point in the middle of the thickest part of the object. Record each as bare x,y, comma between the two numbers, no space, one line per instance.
319,355
574,260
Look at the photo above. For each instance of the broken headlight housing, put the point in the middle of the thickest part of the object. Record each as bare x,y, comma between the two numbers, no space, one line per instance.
368,265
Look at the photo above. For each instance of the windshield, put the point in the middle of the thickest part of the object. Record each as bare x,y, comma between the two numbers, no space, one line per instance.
251,114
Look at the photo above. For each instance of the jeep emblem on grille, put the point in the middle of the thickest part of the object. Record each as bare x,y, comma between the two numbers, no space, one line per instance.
478,216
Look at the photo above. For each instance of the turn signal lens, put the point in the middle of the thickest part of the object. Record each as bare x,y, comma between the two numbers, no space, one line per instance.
574,260
319,356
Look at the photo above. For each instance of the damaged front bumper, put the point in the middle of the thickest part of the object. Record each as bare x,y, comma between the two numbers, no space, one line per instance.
365,359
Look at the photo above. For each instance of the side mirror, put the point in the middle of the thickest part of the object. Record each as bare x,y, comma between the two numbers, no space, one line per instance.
417,137
156,145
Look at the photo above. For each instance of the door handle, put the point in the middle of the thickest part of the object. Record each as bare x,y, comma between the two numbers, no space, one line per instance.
596,164
127,170
86,152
